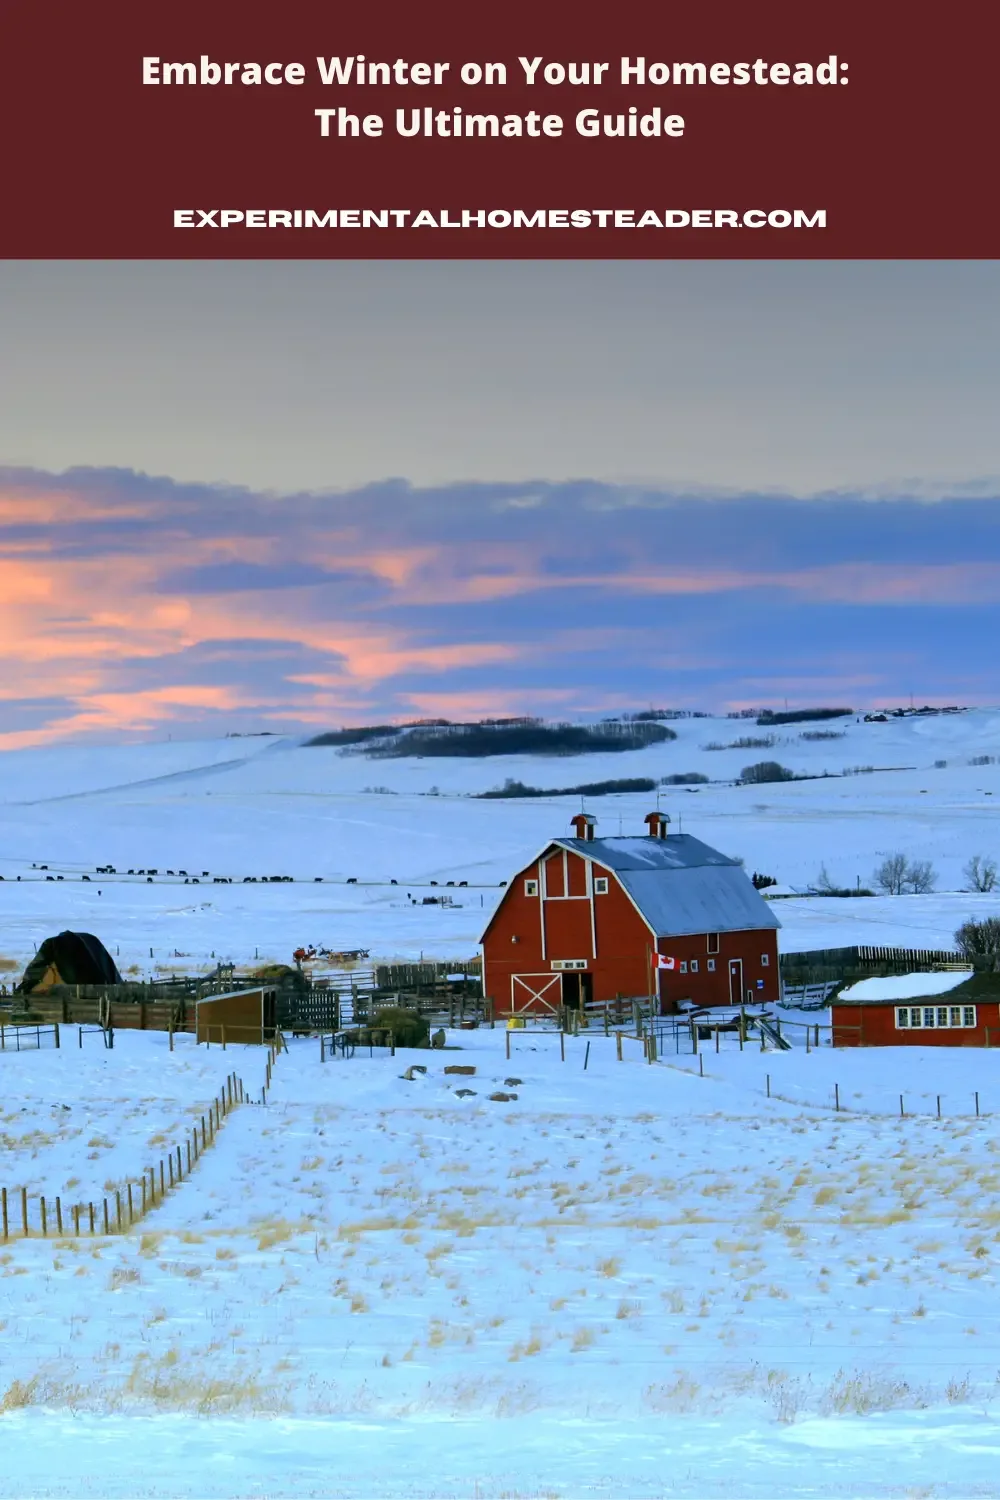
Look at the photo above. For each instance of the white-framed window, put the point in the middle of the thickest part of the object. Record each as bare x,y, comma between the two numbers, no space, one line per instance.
935,1017
684,967
711,965
694,966
531,887
569,963
765,959
600,885
713,942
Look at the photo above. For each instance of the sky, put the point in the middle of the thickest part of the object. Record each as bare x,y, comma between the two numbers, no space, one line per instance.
264,496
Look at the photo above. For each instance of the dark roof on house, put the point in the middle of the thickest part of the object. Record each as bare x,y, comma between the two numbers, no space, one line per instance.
680,885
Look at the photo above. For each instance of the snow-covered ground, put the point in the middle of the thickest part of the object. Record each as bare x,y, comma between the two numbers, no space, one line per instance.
700,1278
269,806
629,1280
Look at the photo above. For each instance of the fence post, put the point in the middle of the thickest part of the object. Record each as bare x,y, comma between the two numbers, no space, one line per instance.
170,1033
91,1207
76,1219
618,1044
768,1078
586,1055
180,1173
163,1185
143,1209
118,1210
45,1220
3,1211
507,1043
977,1117
836,1096
107,1221
939,1106
59,1228
562,1046
188,1144
57,1033
24,1211
131,1206
701,1064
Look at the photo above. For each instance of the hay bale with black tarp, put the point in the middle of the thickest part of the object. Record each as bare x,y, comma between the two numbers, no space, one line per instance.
68,958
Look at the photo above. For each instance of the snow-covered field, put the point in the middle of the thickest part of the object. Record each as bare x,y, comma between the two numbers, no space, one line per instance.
267,806
629,1280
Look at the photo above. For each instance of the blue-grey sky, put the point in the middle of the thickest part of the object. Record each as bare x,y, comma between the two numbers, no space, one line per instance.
389,489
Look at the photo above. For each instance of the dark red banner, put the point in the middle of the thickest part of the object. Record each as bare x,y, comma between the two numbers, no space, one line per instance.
243,128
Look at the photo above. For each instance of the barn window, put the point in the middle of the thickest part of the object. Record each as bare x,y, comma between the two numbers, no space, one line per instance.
942,1015
968,1015
928,1015
765,959
956,1016
713,942
902,1017
684,967
531,887
711,965
916,1016
601,885
694,966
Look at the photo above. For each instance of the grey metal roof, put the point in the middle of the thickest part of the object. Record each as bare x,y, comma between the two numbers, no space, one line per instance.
678,852
680,885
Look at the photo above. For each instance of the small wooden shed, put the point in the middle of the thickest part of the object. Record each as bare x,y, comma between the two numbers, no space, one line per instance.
240,1016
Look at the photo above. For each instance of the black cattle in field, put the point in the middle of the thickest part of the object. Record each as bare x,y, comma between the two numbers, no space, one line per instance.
393,882
352,880
49,877
463,882
85,877
433,882
203,874
317,878
182,872
149,880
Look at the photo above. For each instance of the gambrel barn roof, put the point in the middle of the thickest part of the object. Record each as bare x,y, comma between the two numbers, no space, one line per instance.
679,885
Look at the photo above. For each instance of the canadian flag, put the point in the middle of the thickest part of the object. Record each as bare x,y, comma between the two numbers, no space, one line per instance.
661,961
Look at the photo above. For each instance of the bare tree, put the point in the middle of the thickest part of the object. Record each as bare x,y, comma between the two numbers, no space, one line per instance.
980,942
890,876
823,882
920,876
980,873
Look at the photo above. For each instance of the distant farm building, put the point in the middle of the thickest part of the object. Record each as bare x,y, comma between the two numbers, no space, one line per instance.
919,1010
661,914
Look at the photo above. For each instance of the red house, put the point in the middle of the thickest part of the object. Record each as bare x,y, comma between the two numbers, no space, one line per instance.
664,914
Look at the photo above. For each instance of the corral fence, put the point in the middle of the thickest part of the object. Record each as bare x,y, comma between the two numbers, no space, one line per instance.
22,1036
844,965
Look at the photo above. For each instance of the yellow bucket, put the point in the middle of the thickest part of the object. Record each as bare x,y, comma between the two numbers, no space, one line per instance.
516,1023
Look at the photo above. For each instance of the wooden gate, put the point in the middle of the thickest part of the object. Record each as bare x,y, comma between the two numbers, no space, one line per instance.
535,993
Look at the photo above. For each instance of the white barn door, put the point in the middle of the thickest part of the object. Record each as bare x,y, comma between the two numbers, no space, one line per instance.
535,992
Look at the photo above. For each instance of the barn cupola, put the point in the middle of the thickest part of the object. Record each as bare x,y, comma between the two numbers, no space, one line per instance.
657,823
584,824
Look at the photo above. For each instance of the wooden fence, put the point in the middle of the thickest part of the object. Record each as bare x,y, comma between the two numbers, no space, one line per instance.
131,1204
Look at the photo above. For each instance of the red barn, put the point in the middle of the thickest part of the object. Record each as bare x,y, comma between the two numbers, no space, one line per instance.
591,918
